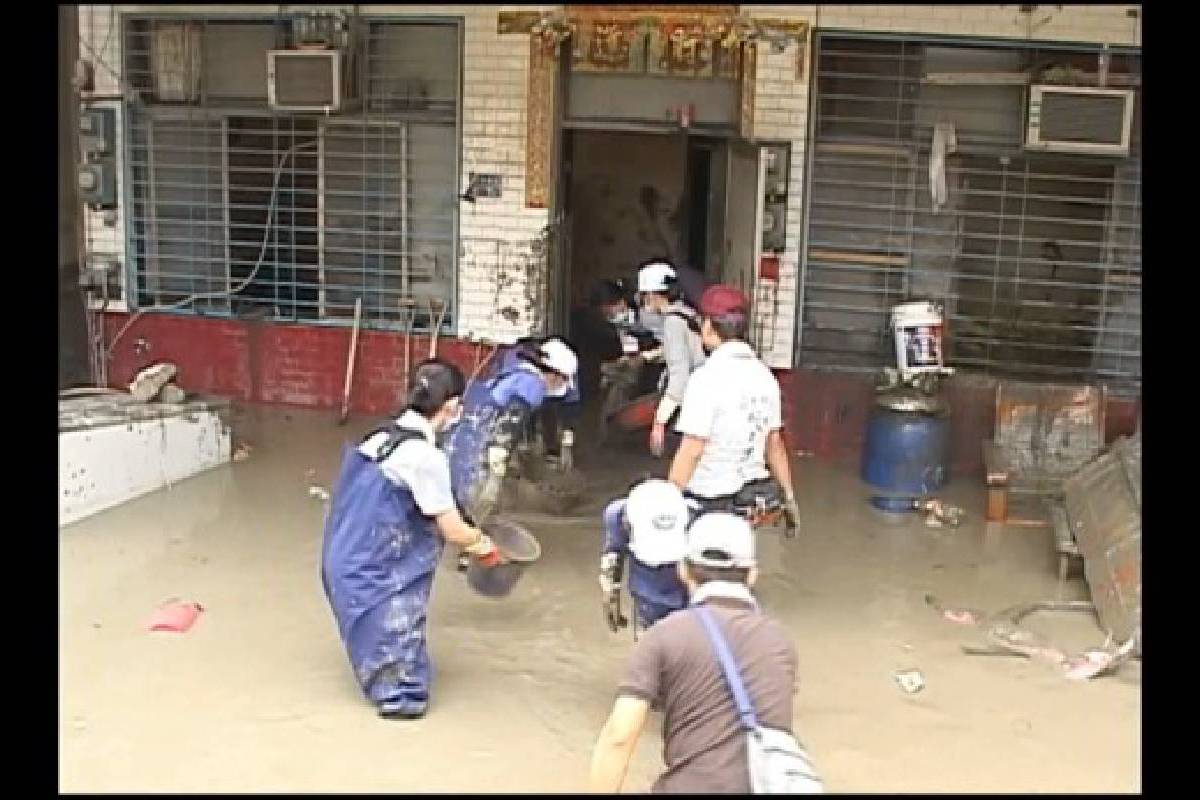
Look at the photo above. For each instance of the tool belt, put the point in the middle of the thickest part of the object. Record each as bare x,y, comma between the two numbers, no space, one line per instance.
759,501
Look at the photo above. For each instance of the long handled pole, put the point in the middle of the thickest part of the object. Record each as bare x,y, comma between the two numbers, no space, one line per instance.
350,361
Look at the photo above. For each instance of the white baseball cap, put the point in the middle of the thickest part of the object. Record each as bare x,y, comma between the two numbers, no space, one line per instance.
658,519
558,356
656,276
721,540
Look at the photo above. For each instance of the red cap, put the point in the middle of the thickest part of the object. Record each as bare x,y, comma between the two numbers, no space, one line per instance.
722,300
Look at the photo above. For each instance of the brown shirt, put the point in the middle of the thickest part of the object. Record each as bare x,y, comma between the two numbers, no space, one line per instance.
674,668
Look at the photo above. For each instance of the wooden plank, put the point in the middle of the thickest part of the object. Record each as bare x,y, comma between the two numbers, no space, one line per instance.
851,257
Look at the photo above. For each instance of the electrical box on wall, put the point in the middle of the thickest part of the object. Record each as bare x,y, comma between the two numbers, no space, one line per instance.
98,184
775,191
97,174
97,127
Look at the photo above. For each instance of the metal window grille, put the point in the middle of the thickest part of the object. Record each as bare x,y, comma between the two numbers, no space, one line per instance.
238,209
1036,256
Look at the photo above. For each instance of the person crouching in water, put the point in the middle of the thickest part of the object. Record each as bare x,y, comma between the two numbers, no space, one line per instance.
391,511
650,525
498,407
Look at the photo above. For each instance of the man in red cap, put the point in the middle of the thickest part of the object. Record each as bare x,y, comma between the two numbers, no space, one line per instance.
731,417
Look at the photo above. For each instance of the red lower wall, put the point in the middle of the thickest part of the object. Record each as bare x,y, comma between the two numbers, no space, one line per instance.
830,410
302,365
296,365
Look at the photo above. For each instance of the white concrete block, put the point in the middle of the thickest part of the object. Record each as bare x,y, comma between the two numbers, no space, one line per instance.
104,465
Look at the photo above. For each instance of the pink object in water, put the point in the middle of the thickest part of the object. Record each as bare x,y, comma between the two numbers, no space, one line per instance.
175,616
962,617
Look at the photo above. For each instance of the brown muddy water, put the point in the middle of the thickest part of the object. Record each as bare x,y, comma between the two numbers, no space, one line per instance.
259,696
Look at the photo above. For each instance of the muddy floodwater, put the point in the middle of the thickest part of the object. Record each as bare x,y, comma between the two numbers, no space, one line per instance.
259,696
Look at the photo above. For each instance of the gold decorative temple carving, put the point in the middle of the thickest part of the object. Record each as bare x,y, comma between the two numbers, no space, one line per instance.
696,41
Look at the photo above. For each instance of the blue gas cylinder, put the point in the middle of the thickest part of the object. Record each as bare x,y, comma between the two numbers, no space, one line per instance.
906,451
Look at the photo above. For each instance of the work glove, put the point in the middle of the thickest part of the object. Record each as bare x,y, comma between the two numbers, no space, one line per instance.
610,581
484,550
610,585
612,613
791,516
488,495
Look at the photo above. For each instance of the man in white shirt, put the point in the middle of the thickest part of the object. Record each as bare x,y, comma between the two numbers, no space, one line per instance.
731,417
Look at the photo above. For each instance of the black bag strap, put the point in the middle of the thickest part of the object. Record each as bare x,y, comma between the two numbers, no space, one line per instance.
692,320
397,436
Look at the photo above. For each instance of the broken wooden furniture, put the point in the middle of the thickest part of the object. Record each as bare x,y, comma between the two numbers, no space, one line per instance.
1043,433
1100,521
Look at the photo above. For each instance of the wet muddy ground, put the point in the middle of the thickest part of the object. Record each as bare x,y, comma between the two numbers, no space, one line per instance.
258,696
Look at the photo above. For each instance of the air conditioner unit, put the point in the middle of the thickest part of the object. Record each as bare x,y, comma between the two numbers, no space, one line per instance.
1079,119
305,80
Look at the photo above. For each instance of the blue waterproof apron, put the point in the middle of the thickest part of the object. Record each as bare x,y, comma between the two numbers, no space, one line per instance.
496,406
377,565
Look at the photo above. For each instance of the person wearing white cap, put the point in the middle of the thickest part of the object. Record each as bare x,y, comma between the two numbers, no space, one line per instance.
649,527
659,291
674,668
497,408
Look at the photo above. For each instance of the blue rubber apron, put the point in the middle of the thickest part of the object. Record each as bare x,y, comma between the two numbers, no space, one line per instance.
483,405
377,563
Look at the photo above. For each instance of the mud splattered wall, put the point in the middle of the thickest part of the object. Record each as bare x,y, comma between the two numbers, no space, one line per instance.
626,204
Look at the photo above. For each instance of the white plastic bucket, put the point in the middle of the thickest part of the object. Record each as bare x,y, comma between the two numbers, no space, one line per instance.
918,331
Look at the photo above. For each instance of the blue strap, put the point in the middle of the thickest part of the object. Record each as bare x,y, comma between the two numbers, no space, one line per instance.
732,676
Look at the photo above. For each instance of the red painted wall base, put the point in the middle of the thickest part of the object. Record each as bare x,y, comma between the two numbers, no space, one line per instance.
830,410
257,362
301,365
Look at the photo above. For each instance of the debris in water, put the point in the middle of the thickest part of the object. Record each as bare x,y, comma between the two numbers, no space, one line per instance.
910,680
961,616
1096,661
936,512
318,492
242,452
939,513
175,616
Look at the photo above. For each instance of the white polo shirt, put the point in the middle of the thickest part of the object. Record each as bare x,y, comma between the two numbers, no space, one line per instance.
733,402
417,464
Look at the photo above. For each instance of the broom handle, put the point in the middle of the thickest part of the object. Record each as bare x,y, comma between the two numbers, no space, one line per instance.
350,358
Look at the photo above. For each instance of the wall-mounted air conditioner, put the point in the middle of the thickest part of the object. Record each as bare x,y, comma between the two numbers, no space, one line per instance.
305,80
1079,119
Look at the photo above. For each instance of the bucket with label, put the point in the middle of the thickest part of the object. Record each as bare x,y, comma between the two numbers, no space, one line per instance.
918,329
